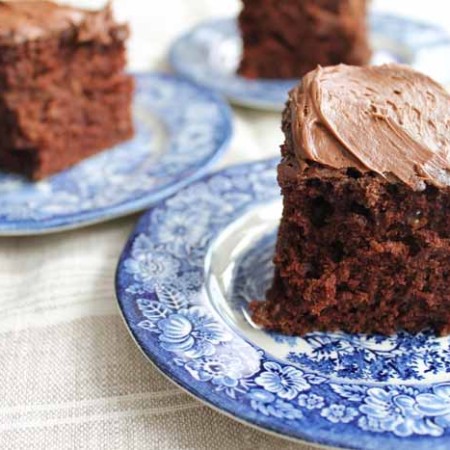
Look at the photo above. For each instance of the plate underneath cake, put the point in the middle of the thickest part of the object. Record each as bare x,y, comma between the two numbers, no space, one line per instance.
184,282
180,131
209,54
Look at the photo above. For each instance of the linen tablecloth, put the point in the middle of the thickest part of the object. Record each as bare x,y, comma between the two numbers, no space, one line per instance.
70,375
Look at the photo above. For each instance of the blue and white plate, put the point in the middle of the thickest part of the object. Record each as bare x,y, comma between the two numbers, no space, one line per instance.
210,55
184,282
181,129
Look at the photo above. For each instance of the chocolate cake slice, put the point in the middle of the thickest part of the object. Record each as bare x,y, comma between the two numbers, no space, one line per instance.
63,92
364,241
286,39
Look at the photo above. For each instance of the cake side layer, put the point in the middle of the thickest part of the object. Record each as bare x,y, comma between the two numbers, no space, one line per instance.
356,252
34,65
48,80
288,39
51,137
64,96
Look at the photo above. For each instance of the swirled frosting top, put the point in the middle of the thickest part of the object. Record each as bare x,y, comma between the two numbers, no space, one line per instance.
22,21
389,119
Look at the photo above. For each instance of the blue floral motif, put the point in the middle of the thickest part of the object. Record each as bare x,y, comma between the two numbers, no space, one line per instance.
352,392
142,246
190,280
269,405
205,202
329,381
180,129
171,297
436,404
285,381
181,232
324,345
339,413
222,370
191,332
311,401
397,411
148,268
403,357
152,309
186,285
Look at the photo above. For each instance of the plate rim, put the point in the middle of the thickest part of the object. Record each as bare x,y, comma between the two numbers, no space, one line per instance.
78,220
205,401
164,368
332,439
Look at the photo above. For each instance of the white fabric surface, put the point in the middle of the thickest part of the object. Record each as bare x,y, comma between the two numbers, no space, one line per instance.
71,377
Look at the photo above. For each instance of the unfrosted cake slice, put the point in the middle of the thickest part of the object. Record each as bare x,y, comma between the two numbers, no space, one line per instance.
286,39
364,241
63,92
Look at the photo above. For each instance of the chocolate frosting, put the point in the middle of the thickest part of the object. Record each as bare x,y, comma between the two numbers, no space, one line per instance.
389,119
22,21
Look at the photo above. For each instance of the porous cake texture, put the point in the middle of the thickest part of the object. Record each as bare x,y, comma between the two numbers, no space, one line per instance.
64,95
364,241
287,39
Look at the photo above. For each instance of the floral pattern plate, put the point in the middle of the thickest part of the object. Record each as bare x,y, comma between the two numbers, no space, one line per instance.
210,53
181,129
184,282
